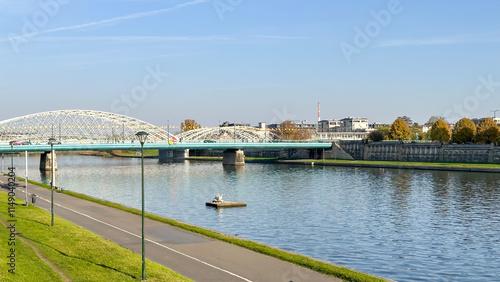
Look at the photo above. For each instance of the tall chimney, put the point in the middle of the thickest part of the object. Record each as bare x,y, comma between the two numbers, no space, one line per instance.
319,118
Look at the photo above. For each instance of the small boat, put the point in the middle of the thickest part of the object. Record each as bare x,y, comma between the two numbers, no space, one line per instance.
219,203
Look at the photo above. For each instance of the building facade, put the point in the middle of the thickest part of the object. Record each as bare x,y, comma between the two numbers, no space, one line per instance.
328,125
353,124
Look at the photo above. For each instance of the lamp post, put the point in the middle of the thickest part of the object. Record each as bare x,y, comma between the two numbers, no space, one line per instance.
494,113
142,136
26,176
53,179
265,132
11,155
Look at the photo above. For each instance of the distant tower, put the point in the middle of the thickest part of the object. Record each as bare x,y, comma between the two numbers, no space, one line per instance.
319,116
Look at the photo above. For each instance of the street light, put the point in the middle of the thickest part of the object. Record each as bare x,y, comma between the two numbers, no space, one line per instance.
26,176
52,141
11,155
168,131
494,113
142,136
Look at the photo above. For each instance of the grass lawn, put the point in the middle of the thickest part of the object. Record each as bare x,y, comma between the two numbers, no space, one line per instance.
78,253
28,267
133,154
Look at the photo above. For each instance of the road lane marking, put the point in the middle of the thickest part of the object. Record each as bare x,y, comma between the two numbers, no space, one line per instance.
151,241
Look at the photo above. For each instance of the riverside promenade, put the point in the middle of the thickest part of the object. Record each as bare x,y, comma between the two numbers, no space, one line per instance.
192,255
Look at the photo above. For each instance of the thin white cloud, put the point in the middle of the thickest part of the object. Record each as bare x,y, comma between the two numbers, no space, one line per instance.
153,38
114,20
81,65
279,37
128,38
443,40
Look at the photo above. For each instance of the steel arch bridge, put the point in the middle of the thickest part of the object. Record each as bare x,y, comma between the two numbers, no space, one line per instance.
227,133
78,126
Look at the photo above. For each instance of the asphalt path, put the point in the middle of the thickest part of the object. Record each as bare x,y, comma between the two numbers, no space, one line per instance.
192,255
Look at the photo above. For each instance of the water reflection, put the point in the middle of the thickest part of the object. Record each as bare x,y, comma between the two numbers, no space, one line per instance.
230,169
46,176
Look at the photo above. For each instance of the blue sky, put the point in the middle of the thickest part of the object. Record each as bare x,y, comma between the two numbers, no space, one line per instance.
251,61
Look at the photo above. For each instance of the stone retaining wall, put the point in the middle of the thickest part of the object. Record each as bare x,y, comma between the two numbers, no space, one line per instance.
421,152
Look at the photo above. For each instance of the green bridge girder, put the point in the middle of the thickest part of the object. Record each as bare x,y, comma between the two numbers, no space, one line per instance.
163,146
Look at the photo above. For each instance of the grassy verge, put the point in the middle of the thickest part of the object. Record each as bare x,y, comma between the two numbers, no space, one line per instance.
28,266
78,253
322,267
133,154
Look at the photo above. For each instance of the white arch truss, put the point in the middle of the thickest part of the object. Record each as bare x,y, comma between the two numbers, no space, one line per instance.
78,126
240,133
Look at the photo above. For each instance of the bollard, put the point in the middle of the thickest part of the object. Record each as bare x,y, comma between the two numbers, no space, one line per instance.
33,199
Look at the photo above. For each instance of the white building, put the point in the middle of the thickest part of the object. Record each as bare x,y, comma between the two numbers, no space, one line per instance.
353,124
332,136
328,125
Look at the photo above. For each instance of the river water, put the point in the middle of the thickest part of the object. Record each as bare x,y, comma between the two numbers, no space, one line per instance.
399,224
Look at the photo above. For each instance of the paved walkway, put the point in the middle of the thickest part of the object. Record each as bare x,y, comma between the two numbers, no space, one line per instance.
192,255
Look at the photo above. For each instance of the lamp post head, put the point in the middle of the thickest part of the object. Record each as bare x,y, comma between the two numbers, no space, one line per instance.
52,141
142,136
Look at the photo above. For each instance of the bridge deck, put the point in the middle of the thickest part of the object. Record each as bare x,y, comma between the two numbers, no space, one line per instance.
163,146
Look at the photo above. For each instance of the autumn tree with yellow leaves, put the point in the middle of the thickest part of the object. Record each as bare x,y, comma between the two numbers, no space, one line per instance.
487,131
400,130
440,131
464,131
189,124
288,130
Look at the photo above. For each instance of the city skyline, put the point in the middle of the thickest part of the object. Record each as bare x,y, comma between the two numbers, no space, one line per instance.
251,61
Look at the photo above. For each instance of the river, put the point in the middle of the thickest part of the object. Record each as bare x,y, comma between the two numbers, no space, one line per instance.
399,224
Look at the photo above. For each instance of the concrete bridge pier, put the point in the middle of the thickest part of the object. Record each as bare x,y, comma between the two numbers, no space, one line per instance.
171,155
316,154
46,161
165,156
233,157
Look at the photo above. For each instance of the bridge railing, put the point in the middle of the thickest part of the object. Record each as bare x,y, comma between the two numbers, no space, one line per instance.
251,141
165,141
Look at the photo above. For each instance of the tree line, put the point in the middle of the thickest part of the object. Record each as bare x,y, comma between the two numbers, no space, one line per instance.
464,131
